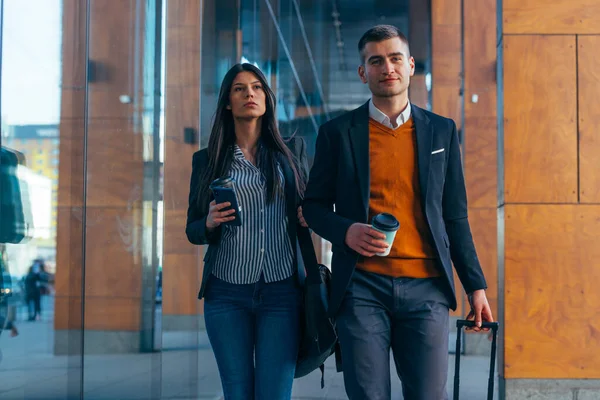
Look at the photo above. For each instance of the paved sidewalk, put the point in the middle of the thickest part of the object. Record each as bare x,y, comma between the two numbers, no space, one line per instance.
186,369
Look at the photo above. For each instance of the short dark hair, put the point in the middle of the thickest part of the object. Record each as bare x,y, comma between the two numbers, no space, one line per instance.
379,33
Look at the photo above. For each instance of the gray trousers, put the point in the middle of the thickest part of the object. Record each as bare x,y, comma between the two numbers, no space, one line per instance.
408,315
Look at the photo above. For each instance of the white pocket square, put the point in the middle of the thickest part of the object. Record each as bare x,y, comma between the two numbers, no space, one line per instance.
437,151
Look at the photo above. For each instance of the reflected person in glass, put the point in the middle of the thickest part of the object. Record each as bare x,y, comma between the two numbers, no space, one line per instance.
250,284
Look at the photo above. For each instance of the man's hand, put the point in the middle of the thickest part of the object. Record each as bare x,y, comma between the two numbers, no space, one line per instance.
480,310
301,219
365,240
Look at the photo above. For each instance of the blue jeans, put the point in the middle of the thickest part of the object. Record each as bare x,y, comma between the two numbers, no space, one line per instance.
254,332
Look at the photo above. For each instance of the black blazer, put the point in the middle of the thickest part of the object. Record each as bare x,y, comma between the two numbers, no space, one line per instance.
195,228
340,176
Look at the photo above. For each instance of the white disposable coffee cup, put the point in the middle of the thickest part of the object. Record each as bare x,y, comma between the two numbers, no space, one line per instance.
388,225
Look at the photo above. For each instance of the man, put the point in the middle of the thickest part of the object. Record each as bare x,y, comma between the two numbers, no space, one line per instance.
391,156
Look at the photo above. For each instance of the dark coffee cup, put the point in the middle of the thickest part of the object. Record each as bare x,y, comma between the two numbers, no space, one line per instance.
224,182
224,192
388,225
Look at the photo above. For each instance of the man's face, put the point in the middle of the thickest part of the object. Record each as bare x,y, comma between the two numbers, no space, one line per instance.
387,68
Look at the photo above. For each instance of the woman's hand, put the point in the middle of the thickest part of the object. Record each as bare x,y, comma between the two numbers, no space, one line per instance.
216,217
301,219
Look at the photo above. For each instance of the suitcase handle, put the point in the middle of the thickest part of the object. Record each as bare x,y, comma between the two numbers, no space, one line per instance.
471,324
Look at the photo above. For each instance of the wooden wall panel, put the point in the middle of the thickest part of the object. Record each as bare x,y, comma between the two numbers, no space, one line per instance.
480,135
183,53
69,223
419,36
446,12
446,81
67,311
69,253
72,103
418,91
419,29
551,16
114,173
446,58
175,239
481,161
101,313
112,46
540,127
115,168
480,125
446,101
484,229
71,162
180,284
113,263
588,67
552,300
73,49
182,265
112,313
550,258
184,13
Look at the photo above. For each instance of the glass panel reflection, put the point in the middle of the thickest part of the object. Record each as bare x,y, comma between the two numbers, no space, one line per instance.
122,181
32,364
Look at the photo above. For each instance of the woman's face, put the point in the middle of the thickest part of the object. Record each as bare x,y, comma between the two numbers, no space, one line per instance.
247,98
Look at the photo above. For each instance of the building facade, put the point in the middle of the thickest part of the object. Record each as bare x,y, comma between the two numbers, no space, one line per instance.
107,100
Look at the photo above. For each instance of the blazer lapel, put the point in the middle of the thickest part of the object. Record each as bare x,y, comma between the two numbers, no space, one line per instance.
424,134
359,141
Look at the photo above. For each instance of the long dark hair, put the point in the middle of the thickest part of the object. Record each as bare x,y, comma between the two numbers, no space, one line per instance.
271,147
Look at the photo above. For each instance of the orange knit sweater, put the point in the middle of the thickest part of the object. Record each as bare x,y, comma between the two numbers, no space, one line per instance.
395,190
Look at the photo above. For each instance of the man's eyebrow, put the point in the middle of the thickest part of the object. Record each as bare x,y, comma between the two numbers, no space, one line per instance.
397,53
378,57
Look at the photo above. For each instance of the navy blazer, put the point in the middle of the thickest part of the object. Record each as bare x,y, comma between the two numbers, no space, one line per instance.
340,176
195,228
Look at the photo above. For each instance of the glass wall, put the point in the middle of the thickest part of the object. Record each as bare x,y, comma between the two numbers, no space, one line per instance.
308,50
103,103
32,140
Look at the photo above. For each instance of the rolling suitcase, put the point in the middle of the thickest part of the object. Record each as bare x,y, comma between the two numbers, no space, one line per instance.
469,324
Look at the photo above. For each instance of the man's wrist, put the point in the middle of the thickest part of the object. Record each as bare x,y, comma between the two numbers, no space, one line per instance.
471,294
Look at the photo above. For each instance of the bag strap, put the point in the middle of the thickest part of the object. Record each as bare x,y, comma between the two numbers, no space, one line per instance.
308,255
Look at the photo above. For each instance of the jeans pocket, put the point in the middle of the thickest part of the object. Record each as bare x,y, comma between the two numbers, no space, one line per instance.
218,288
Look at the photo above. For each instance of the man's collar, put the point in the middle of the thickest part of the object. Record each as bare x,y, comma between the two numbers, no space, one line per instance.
383,119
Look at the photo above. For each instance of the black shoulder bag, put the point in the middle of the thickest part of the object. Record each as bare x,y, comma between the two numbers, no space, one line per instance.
318,337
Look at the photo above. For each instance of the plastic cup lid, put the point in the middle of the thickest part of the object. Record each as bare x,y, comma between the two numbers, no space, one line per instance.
225,181
386,222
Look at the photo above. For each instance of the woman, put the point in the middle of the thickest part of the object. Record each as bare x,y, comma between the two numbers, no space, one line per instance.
252,298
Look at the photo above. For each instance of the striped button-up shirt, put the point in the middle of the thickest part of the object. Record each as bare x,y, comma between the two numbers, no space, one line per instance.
261,245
